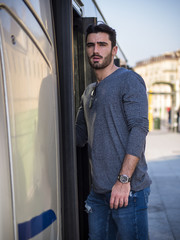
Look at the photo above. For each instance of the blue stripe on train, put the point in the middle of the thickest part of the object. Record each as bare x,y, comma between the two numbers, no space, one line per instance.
36,225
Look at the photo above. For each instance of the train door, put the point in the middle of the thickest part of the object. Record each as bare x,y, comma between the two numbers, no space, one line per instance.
62,13
30,193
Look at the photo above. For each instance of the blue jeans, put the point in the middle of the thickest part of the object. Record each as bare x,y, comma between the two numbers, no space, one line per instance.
126,223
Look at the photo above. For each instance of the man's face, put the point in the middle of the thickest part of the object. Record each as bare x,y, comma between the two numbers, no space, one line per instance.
99,50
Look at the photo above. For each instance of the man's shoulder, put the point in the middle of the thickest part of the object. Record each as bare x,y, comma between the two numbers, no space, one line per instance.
132,76
128,72
124,73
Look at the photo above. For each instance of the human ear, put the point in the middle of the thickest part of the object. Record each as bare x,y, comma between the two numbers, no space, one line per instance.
114,50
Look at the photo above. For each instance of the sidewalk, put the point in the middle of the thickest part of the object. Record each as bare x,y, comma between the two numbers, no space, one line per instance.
163,157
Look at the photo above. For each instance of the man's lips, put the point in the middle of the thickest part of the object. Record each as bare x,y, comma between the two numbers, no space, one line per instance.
96,58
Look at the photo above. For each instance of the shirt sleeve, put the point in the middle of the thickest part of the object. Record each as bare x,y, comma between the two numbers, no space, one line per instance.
81,127
136,113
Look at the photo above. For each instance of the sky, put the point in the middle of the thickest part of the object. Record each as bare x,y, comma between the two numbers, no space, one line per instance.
145,28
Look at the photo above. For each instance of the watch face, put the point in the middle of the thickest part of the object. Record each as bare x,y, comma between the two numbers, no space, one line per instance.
123,179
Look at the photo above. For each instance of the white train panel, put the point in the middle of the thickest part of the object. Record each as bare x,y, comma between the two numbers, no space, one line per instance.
28,91
6,211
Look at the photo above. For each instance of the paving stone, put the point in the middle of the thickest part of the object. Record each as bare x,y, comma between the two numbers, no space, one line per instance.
163,157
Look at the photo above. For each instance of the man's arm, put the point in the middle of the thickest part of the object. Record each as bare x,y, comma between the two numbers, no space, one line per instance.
120,191
136,113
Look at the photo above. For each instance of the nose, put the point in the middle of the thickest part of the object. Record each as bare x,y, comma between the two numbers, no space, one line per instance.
96,48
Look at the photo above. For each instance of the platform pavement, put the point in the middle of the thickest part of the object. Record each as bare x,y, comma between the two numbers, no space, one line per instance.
163,157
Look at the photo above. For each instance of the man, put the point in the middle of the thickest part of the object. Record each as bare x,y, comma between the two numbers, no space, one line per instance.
113,120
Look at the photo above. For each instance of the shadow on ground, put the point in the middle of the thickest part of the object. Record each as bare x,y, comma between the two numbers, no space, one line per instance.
164,202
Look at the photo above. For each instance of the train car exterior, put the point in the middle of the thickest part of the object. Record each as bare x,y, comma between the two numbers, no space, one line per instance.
29,135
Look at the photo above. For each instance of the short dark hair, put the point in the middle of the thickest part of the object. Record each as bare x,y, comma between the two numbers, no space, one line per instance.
96,28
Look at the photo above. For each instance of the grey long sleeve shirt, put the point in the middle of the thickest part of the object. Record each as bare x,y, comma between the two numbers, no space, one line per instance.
115,125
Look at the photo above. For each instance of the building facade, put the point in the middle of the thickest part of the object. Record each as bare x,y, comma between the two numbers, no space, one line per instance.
162,78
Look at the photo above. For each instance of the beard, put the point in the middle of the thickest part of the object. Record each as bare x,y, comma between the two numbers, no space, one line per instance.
96,65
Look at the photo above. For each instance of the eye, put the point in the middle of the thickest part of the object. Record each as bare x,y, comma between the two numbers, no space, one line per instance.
103,44
89,45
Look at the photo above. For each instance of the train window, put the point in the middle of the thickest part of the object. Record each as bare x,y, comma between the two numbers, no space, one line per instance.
42,13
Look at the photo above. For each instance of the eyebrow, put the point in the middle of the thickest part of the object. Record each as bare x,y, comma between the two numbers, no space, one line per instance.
89,43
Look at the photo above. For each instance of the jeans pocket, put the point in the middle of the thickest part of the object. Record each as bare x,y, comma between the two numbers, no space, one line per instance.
146,194
140,198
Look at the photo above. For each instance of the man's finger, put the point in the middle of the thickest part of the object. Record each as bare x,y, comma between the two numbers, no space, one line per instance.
116,203
111,202
121,202
125,202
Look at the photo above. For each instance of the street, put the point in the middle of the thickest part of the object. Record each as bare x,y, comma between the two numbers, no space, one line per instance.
163,157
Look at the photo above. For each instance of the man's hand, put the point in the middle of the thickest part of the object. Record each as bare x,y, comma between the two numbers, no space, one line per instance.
119,195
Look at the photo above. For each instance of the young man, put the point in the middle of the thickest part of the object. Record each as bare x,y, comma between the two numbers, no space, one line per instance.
113,120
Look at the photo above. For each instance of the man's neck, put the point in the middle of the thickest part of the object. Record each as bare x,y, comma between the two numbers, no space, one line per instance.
103,73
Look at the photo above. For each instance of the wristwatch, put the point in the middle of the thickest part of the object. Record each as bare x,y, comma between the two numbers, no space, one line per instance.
124,178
